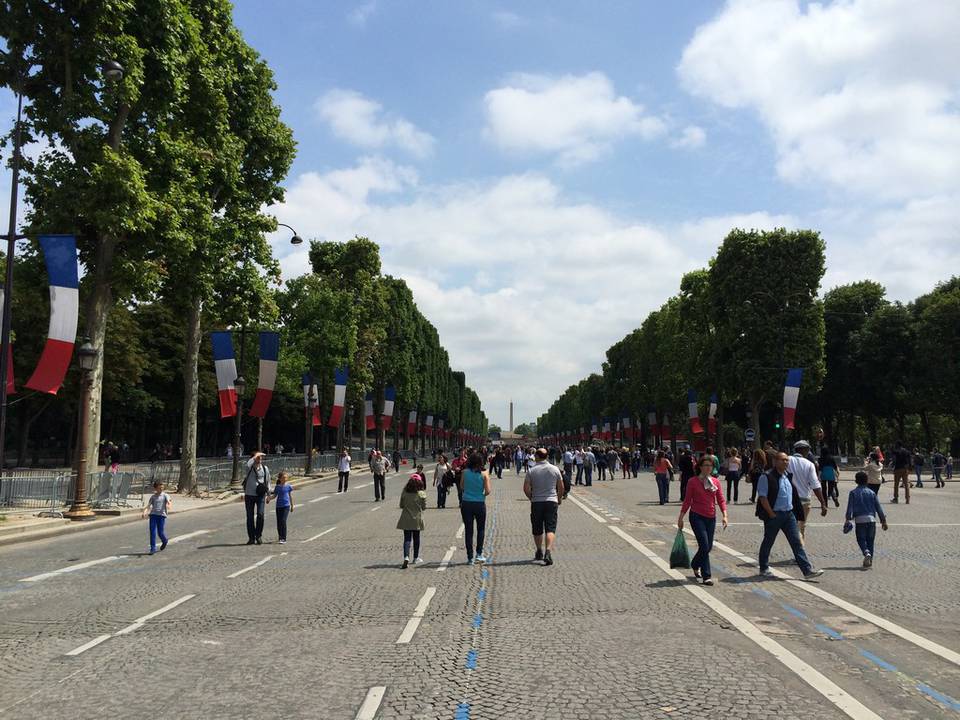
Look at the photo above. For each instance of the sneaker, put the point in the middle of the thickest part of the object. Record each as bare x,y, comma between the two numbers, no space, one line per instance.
418,561
406,561
707,581
259,541
469,561
547,558
894,500
766,572
163,545
538,555
250,542
867,561
283,542
696,573
152,552
814,573
481,559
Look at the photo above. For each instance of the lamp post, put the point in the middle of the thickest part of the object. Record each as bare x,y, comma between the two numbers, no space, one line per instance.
87,357
296,239
308,432
239,384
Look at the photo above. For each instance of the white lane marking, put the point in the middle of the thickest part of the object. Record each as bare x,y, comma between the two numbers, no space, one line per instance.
460,530
446,558
587,510
318,499
37,692
365,485
71,568
371,703
834,693
414,622
882,623
135,625
319,535
181,538
257,564
378,507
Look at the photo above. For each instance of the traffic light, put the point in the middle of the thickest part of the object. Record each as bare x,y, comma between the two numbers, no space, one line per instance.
776,424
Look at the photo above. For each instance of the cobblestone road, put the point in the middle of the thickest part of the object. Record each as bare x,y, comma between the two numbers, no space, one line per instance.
212,628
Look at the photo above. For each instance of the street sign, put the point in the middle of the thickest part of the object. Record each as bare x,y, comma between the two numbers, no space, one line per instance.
749,434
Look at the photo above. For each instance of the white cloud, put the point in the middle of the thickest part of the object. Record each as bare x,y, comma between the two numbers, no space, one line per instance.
577,118
360,14
362,121
692,137
861,94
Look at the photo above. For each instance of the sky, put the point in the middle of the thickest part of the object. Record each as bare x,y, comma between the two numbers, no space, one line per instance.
543,173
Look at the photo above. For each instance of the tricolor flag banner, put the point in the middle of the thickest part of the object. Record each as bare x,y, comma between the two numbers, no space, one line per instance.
226,372
428,425
389,398
368,411
316,399
666,429
412,423
628,427
440,430
593,429
339,396
652,422
606,429
60,255
712,416
267,377
791,393
694,411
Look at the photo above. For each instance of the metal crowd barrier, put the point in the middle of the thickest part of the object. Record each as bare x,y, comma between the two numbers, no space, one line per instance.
48,492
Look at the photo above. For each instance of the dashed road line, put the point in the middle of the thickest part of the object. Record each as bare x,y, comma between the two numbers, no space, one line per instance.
460,530
319,535
72,568
181,538
378,507
587,510
257,564
446,558
371,703
318,499
414,622
132,627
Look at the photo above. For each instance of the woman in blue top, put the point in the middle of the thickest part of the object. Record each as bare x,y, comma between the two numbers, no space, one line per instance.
475,486
282,492
829,475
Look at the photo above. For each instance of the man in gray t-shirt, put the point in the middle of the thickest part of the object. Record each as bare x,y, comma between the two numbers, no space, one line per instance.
544,487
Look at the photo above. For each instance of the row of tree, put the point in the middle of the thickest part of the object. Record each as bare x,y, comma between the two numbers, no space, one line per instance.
163,175
874,370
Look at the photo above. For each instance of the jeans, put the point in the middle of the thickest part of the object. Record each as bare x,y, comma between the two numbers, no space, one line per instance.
471,511
441,495
785,521
157,523
344,480
499,468
413,535
919,471
866,533
254,532
588,476
379,487
937,475
518,463
663,487
579,475
282,514
635,467
733,481
833,490
684,479
703,528
601,472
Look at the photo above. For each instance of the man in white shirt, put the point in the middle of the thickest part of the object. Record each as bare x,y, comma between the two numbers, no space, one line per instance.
578,460
804,477
567,470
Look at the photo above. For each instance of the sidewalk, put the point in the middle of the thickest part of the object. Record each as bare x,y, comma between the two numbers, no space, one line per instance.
26,526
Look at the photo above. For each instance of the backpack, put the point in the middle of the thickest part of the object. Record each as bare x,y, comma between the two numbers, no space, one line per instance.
448,479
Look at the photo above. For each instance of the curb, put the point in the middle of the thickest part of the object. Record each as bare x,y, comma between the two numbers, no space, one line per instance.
133,515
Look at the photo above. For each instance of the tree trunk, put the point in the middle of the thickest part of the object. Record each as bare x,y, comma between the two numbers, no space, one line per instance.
188,439
927,434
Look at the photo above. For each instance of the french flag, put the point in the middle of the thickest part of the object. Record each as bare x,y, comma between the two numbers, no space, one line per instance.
412,423
712,416
60,254
666,429
652,422
368,412
389,398
428,425
226,366
593,429
791,393
267,377
606,429
306,399
440,430
339,396
694,411
628,427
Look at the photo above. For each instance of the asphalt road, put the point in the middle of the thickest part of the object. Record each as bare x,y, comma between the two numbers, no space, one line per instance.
214,628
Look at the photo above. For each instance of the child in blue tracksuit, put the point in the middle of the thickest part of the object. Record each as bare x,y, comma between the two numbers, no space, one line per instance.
863,509
157,505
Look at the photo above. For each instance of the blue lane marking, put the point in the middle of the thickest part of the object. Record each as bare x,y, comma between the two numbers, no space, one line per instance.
939,696
793,611
762,593
485,574
482,594
878,661
472,660
834,635
463,712
477,619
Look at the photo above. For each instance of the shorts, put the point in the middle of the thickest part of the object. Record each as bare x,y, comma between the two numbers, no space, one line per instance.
543,517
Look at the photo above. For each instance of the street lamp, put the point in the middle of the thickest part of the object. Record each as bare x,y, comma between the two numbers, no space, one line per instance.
113,71
87,357
308,433
239,385
296,239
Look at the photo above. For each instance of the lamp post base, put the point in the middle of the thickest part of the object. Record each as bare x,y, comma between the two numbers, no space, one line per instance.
80,511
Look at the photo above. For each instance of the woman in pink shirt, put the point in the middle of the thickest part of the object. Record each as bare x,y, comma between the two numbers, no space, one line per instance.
703,496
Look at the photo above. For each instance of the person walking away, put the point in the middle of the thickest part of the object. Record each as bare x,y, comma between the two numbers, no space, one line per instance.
685,466
440,480
804,476
733,475
758,466
901,473
518,457
589,463
874,471
829,474
459,465
474,486
397,460
283,492
544,488
778,505
256,487
637,458
863,509
703,497
661,471
578,461
949,466
939,462
158,505
613,461
379,466
568,460
601,461
413,501
498,463
343,471
918,463
625,462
